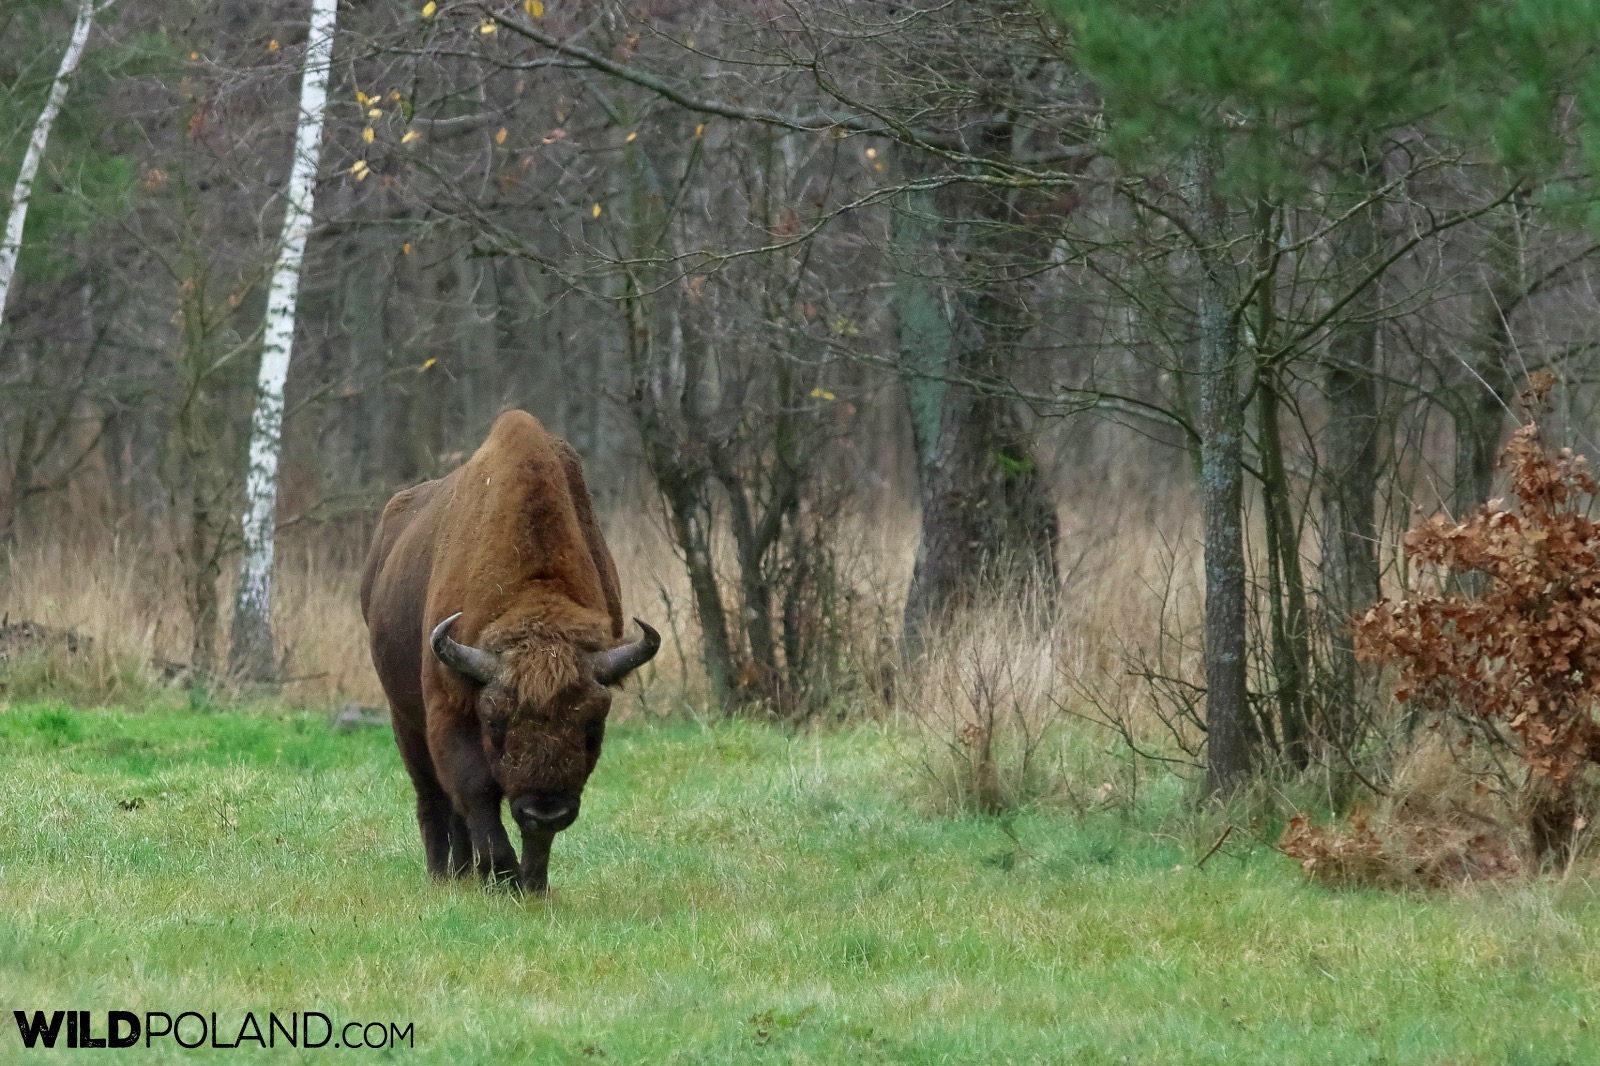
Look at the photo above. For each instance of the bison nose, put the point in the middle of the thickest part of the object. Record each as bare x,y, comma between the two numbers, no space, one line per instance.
545,810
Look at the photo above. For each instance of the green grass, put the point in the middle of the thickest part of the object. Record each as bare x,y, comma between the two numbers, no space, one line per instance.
732,894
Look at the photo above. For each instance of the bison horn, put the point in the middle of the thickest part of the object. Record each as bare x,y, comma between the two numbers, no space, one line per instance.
614,665
471,663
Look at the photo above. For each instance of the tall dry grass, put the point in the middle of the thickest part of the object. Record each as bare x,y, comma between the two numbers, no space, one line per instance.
116,592
656,589
1007,692
126,595
986,707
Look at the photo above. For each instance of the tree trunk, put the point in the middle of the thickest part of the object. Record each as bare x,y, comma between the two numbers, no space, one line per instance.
1480,416
1485,393
987,514
922,327
1483,396
21,477
250,656
204,570
16,219
688,529
1221,428
476,347
1350,457
683,486
1291,644
1286,589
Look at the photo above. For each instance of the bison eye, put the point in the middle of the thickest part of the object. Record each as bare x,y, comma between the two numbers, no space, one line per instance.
593,733
495,721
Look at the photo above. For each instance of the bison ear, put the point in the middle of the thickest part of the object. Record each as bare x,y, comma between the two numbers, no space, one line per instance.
610,667
468,662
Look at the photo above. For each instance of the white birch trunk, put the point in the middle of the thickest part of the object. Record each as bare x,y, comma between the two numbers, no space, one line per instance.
11,244
251,653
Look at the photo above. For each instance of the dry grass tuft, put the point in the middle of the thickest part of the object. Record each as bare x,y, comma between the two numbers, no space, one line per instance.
984,706
1442,825
322,640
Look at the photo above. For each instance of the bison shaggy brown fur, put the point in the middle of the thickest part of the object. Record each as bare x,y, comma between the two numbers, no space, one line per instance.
495,622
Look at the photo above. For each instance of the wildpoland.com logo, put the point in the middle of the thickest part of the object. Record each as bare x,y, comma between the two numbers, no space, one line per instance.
191,1029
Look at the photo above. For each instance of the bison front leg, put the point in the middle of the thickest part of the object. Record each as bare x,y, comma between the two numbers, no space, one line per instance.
497,862
460,846
433,818
465,772
534,875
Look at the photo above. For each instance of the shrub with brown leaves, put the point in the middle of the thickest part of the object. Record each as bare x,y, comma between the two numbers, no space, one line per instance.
1341,856
1525,651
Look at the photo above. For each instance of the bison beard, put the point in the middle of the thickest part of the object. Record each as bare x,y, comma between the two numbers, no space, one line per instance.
495,623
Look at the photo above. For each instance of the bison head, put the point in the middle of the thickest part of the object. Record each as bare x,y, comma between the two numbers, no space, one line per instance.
543,706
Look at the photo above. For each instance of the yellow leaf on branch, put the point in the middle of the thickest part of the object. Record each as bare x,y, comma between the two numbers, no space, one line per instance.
534,8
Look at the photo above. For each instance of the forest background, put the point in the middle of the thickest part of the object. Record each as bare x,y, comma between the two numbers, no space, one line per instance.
1123,340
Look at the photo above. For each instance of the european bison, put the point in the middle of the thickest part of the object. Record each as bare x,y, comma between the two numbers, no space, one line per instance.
495,621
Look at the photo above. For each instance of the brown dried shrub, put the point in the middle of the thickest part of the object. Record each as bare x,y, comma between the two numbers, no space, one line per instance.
1341,855
1426,853
1521,656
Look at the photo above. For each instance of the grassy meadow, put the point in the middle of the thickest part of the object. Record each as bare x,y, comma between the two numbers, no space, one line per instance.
734,893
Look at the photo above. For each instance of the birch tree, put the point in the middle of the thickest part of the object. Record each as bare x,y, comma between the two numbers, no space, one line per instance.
11,244
250,655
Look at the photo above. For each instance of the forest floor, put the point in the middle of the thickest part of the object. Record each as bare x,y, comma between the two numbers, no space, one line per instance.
732,894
